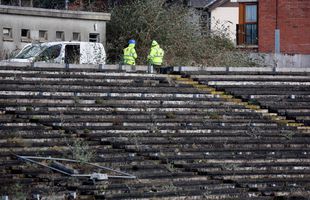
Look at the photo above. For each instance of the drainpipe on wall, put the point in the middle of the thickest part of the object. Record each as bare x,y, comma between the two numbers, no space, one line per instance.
66,4
277,32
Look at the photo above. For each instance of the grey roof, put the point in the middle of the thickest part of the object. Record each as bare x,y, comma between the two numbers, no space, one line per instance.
199,3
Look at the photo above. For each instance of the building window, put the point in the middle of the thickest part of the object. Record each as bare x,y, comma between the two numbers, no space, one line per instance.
25,35
42,35
94,37
50,54
7,34
76,36
247,29
250,13
60,36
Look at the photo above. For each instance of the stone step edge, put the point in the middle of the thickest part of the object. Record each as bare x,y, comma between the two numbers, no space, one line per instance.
273,116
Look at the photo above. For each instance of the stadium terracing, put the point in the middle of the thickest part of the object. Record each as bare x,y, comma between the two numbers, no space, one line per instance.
222,133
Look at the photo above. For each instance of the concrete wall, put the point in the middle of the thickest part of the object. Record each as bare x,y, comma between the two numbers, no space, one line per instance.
36,19
225,17
293,21
288,61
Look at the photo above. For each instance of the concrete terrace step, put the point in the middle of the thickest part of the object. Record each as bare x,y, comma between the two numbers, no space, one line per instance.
258,78
155,109
185,132
284,98
223,194
129,116
247,71
37,74
266,91
117,102
117,90
108,95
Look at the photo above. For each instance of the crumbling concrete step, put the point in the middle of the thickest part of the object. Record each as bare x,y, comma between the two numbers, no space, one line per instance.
108,95
41,117
191,132
183,193
69,72
29,134
258,83
275,97
44,87
242,71
15,100
267,91
258,78
96,109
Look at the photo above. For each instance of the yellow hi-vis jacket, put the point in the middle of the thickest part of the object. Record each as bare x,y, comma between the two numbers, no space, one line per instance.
156,54
130,55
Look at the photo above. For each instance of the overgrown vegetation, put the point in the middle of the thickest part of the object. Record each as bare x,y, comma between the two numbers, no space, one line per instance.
178,30
81,151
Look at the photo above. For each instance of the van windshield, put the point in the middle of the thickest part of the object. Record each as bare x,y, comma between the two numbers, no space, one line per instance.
29,52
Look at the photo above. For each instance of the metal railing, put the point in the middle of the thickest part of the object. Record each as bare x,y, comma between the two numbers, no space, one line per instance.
247,34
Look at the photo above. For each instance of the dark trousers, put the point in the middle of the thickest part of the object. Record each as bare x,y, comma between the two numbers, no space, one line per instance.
157,68
162,70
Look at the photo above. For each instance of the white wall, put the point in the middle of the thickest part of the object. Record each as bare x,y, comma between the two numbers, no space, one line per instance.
225,17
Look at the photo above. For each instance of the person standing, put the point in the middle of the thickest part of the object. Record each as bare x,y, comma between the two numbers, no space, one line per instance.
130,54
156,56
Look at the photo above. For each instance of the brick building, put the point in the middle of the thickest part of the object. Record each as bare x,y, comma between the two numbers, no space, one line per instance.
291,18
277,26
278,29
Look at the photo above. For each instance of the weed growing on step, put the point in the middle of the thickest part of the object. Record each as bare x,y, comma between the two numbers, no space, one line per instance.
206,194
86,131
153,127
11,134
61,117
136,141
81,151
214,115
253,101
99,101
171,81
17,191
29,109
117,121
103,187
253,131
288,134
76,100
170,167
16,141
229,166
54,193
170,115
169,187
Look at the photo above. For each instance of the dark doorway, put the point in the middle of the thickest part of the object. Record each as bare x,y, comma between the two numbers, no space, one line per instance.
72,55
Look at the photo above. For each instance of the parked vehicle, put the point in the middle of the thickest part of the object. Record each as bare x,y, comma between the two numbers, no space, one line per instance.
63,52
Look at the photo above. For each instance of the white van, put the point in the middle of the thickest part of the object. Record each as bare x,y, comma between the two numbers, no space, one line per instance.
62,52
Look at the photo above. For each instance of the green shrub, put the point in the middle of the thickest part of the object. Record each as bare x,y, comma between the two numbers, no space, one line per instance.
177,29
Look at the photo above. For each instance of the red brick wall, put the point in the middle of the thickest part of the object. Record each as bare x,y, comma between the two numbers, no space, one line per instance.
293,22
